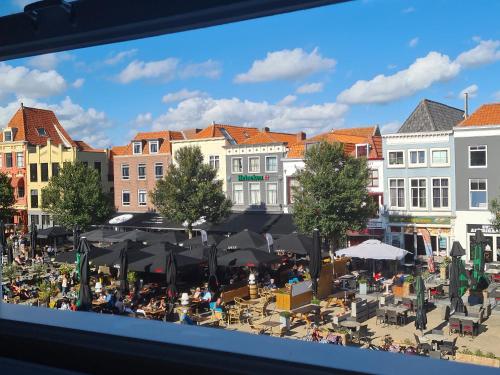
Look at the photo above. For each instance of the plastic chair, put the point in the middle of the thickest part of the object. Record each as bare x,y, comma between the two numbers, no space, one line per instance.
468,327
454,326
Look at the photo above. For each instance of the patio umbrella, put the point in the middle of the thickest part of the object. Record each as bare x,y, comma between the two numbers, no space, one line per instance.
247,257
294,243
197,241
84,297
110,256
76,236
199,253
170,278
161,248
33,239
242,240
420,314
124,269
315,261
156,263
100,235
479,281
373,249
457,290
212,268
71,256
138,235
10,254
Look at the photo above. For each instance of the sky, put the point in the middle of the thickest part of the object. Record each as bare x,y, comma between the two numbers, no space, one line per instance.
359,63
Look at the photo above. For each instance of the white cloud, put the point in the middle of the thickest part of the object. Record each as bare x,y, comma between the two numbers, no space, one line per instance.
496,95
78,83
471,90
392,66
486,52
118,57
413,43
162,69
420,75
310,88
201,111
209,69
408,10
44,62
181,95
144,118
390,127
22,81
287,100
286,64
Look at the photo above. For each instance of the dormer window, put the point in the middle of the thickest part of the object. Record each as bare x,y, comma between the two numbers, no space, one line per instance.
137,148
7,135
362,150
153,147
41,132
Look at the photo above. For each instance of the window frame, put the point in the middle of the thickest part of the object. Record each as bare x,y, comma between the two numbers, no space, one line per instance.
417,164
371,179
410,188
441,208
470,196
11,160
21,154
129,198
139,177
258,159
395,166
438,165
250,184
267,196
133,148
214,159
277,164
233,189
485,156
397,187
151,143
121,168
10,136
42,174
367,145
37,198
139,192
232,165
157,164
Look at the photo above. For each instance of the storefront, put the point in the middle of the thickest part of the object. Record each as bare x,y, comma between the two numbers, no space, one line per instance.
492,237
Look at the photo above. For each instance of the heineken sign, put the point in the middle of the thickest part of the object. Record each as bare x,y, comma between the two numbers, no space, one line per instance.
252,177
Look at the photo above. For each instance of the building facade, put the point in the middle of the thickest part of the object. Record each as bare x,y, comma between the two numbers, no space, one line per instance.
477,153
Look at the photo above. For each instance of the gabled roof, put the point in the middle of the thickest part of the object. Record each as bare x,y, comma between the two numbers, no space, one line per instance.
487,114
164,138
83,146
237,133
431,116
264,137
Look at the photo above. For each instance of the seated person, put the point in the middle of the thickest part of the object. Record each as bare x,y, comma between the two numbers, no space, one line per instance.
64,305
73,306
377,276
197,294
119,306
19,261
207,296
271,284
102,297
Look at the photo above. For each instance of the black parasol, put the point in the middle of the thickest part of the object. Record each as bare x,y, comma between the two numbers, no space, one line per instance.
84,296
315,261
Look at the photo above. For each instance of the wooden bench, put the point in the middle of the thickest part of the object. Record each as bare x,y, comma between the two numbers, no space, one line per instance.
229,295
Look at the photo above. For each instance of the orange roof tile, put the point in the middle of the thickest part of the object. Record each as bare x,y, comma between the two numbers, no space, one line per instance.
119,150
238,133
83,146
487,114
164,138
263,137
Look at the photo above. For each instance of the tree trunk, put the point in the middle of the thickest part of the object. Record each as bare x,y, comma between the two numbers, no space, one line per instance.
190,230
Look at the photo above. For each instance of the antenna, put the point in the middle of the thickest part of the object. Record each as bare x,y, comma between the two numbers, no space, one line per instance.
466,105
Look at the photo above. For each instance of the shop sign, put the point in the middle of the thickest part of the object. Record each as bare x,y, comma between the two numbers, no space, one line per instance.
485,228
420,220
252,177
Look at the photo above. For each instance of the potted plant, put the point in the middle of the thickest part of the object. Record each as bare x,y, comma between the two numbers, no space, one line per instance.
408,285
66,269
315,301
38,270
131,278
46,290
363,286
10,272
285,320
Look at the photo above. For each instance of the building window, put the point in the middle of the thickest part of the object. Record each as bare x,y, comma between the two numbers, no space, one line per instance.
272,193
478,193
34,198
7,136
439,157
159,170
397,192
213,160
44,172
254,188
440,192
361,150
141,171
254,165
142,197
35,219
396,158
417,158
20,191
8,160
418,190
125,198
97,167
1,160
271,164
137,148
237,165
153,147
20,159
45,221
238,194
33,173
477,156
373,178
125,172
55,169
293,185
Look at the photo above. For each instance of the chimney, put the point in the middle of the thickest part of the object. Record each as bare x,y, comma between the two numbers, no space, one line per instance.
264,129
466,105
301,136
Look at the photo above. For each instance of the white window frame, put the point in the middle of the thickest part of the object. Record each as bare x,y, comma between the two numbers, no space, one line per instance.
242,192
121,170
5,136
140,148
417,164
162,171
396,165
470,200
267,196
139,192
151,143
486,158
410,190
432,164
404,193
277,165
129,197
232,166
367,145
258,159
145,170
250,184
22,159
442,208
370,178
216,160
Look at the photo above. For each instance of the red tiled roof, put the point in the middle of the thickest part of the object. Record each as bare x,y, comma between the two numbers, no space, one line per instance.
119,150
487,114
83,146
238,133
263,137
163,136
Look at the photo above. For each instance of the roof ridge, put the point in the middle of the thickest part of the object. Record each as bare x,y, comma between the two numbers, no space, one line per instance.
425,103
443,104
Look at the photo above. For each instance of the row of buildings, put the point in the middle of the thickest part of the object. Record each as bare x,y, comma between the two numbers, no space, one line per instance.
432,179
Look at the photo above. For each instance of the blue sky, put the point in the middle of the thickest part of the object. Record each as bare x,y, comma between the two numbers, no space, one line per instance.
359,63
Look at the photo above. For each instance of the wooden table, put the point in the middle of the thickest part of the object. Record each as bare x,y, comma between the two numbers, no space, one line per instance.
350,324
432,338
302,313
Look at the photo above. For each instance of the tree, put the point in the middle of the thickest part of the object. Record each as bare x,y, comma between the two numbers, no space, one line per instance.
495,210
7,199
75,196
190,191
332,193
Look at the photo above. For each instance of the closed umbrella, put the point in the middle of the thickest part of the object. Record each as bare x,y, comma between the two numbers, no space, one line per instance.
76,236
10,254
170,278
212,269
479,281
421,314
84,297
124,269
33,239
456,288
315,261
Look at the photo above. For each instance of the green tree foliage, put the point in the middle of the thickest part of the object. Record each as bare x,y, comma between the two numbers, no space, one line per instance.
75,196
495,210
7,199
190,191
332,194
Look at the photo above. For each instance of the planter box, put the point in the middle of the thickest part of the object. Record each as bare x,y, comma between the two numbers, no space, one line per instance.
363,289
402,291
474,359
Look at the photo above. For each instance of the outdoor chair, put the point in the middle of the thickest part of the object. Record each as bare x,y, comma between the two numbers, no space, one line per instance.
381,317
392,317
361,333
448,347
422,347
468,327
233,315
454,326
